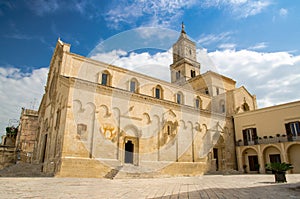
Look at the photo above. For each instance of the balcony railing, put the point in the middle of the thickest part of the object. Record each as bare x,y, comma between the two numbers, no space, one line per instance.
268,140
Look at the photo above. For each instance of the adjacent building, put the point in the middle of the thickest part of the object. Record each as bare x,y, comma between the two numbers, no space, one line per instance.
26,137
267,135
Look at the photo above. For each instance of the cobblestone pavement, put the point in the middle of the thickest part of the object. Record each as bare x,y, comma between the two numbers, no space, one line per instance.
208,186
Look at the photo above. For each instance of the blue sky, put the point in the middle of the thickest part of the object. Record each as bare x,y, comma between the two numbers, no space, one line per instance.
254,42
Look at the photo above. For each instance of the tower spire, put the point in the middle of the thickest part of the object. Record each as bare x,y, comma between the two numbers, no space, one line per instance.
182,28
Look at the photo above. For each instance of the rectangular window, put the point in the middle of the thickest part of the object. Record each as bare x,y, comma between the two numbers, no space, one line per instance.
104,79
178,75
250,135
157,93
275,158
217,91
132,86
292,130
193,73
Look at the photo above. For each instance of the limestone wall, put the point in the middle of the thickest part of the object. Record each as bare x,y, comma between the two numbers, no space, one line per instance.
7,156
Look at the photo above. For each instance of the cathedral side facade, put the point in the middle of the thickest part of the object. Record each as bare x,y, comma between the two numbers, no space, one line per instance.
95,117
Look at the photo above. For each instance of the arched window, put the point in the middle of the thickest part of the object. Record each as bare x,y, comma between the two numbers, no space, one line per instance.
198,103
179,98
158,92
133,85
105,78
245,106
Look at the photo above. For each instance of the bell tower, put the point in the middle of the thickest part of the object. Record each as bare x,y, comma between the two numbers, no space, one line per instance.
185,65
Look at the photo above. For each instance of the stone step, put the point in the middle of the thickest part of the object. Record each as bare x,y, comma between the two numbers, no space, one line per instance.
23,170
132,171
113,172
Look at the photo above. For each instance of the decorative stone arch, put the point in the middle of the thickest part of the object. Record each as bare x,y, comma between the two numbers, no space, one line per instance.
131,131
182,123
146,118
169,116
249,147
92,107
190,123
104,111
289,144
204,129
197,126
77,106
270,145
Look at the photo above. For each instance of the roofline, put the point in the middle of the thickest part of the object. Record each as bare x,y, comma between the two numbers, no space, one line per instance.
269,108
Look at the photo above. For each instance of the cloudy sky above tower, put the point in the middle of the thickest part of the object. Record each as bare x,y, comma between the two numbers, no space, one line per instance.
255,42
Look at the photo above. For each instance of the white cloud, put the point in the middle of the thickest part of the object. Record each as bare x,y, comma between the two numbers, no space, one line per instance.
258,46
227,46
239,8
155,13
283,12
17,90
214,38
273,77
156,65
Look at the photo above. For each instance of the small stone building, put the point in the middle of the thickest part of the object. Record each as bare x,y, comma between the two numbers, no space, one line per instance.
28,128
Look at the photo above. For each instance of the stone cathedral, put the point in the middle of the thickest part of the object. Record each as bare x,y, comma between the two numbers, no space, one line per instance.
99,120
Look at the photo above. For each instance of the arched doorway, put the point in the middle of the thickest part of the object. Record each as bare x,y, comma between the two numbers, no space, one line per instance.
129,151
293,156
250,161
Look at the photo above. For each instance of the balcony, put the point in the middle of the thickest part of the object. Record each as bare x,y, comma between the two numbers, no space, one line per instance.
268,140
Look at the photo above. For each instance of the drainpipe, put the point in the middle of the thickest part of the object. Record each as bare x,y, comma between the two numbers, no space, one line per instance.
193,151
118,137
236,155
92,138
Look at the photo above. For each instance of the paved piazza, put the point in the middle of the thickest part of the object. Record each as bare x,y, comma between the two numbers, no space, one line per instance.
208,186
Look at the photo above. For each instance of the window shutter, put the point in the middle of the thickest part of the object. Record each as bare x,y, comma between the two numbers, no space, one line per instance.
288,129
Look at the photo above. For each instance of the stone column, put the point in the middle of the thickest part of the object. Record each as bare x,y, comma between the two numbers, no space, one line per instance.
261,160
239,159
